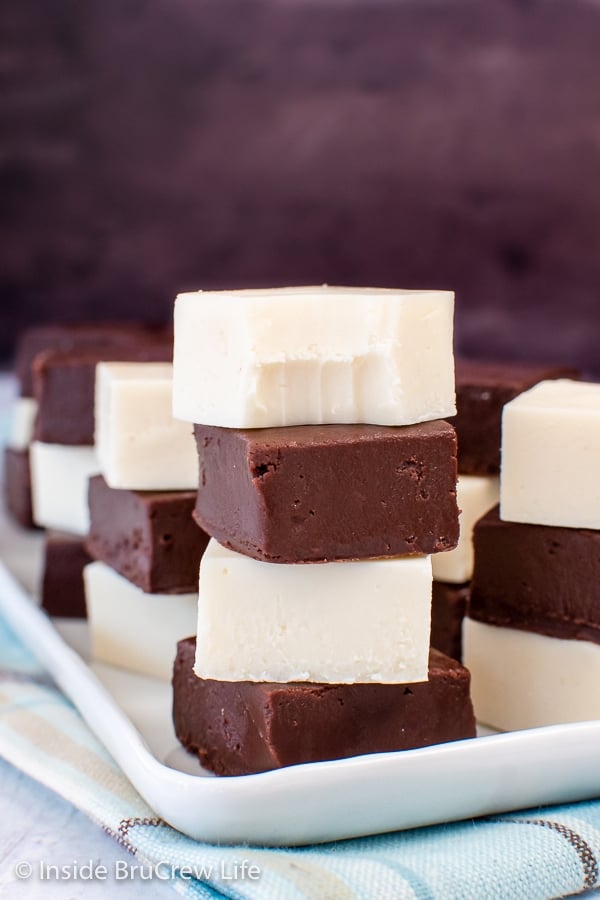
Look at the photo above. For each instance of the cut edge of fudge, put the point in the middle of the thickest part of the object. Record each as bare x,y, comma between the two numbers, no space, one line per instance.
239,728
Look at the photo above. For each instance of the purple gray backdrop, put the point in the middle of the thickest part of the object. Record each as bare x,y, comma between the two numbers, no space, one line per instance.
150,146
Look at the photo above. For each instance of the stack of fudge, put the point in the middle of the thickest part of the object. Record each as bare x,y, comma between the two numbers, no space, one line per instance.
532,634
483,387
32,344
327,477
52,455
142,588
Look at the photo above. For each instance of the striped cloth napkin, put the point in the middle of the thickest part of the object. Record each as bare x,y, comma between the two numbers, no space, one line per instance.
543,853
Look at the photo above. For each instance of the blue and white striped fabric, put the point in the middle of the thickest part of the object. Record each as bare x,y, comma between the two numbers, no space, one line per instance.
541,853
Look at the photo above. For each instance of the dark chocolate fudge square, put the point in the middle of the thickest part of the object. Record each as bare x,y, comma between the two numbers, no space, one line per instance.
482,389
238,728
64,384
17,486
149,537
310,493
448,607
79,335
538,578
65,557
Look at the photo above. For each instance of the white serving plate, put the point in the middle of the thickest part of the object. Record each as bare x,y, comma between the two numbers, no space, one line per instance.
309,803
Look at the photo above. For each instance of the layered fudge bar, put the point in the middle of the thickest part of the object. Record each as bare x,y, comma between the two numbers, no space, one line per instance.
328,476
142,535
532,636
483,387
32,343
62,453
325,492
239,728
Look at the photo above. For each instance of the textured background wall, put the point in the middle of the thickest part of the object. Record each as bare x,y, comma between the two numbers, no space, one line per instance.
148,146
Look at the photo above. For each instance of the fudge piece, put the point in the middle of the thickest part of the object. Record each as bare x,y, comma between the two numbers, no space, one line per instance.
140,445
75,336
59,486
325,492
524,680
475,495
313,355
448,607
238,728
132,629
17,486
65,558
550,452
537,578
149,537
333,622
23,417
64,385
482,389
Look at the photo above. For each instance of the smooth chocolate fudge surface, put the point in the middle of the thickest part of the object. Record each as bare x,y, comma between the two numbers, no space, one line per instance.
448,607
17,486
482,389
34,341
64,383
238,728
310,493
537,578
65,557
149,537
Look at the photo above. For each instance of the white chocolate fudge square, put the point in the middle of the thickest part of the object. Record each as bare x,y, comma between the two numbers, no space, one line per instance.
550,471
132,629
59,486
337,622
140,445
475,494
313,356
23,418
524,680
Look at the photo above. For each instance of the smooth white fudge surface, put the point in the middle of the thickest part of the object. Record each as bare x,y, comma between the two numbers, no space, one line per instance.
338,622
475,494
140,445
134,630
59,485
524,680
23,416
313,355
550,451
